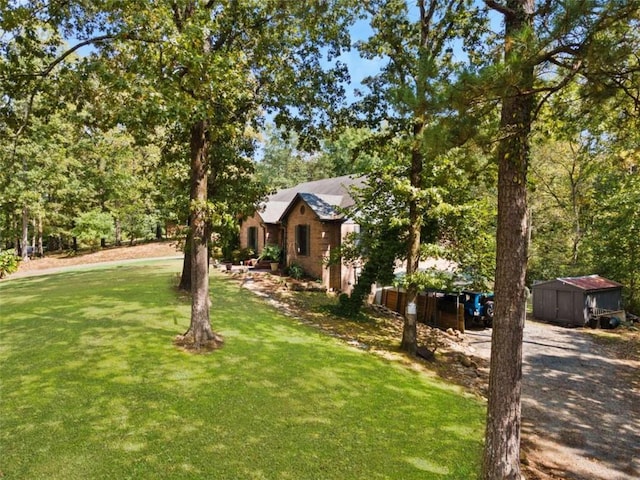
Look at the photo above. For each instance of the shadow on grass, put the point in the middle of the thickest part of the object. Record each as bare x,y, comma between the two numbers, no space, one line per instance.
93,388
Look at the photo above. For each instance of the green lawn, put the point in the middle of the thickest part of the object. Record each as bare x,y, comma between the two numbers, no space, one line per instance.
92,387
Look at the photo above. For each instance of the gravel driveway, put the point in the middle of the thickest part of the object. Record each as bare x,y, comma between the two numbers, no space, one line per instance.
580,406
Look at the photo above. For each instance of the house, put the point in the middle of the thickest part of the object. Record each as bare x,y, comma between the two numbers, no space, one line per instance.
307,222
570,300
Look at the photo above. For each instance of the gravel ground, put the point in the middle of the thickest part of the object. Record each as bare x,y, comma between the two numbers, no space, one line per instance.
580,404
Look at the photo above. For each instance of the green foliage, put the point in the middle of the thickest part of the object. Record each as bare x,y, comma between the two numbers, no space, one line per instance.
458,222
430,279
104,375
375,248
350,306
271,252
282,164
351,152
138,225
9,262
614,238
242,255
93,226
295,271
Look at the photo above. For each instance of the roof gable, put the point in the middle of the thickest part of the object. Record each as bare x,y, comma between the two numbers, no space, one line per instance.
321,195
324,206
272,211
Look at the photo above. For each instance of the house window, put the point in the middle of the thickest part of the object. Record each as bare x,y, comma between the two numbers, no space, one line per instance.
302,239
252,238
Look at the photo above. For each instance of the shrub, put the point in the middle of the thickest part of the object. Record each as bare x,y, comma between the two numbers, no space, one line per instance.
136,224
271,252
242,255
295,271
8,262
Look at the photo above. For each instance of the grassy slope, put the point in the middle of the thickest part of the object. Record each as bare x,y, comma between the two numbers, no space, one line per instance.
91,387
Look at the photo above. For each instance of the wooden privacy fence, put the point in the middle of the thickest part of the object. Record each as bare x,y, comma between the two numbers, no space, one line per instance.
433,308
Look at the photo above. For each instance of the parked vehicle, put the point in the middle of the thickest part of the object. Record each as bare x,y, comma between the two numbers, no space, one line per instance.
478,308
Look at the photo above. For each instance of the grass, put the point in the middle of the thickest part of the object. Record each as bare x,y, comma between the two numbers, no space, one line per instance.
91,387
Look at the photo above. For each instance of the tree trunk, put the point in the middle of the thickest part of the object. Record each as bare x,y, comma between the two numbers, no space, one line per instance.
34,237
118,229
185,278
200,327
24,240
502,438
40,247
409,342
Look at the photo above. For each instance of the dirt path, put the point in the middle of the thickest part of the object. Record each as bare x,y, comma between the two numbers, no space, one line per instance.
580,405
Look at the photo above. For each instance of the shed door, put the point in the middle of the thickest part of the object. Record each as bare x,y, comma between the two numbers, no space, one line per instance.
565,306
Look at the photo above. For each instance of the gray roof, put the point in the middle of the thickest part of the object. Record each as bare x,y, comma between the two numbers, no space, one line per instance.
272,211
325,194
324,206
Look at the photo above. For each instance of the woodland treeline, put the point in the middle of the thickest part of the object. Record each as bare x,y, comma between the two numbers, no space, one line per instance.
73,171
500,134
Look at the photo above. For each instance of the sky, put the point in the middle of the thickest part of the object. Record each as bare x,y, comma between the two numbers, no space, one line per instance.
359,68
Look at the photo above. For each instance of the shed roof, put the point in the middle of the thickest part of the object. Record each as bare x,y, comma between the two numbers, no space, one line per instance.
332,191
586,283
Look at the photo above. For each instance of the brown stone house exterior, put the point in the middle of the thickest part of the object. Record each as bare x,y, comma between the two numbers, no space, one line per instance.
307,223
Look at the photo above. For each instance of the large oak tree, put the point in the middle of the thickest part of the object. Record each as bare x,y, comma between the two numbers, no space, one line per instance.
213,67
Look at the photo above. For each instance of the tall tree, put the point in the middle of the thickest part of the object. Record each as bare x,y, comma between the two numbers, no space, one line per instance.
208,65
412,95
502,441
570,40
212,66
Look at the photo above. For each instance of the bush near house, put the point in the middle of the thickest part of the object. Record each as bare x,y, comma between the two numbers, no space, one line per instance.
9,262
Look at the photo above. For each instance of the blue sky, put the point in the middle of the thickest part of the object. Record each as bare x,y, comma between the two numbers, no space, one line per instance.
359,68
